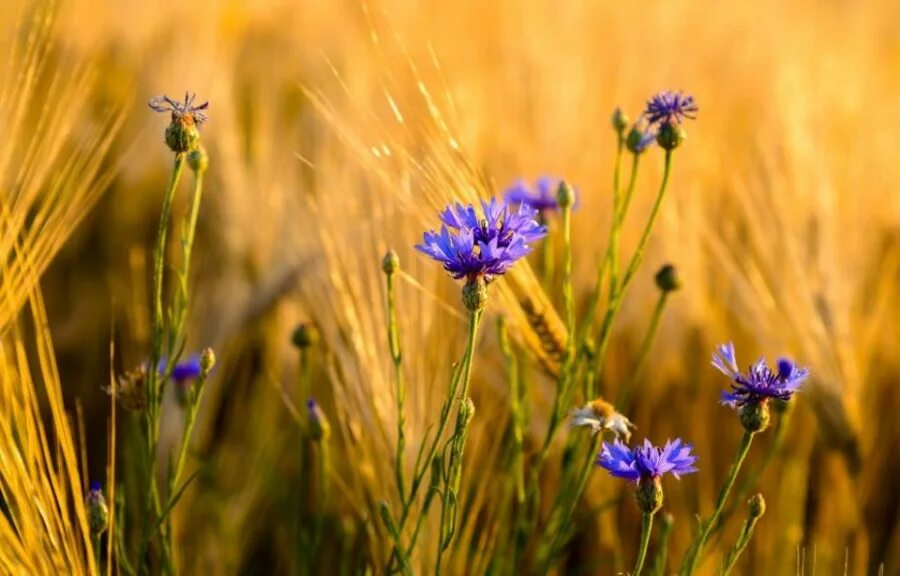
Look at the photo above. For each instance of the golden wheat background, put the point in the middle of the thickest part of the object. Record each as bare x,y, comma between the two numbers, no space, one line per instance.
338,128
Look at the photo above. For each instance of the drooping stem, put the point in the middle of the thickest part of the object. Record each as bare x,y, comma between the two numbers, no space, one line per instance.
646,527
694,552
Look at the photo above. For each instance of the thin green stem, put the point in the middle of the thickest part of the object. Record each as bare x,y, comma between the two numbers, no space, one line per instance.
154,382
629,193
397,359
627,392
633,266
456,446
659,565
696,549
743,539
646,527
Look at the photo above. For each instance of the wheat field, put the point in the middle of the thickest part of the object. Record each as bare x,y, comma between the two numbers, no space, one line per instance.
337,131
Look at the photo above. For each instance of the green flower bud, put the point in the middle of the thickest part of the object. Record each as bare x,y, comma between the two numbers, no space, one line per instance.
757,506
670,136
98,511
390,264
755,416
319,428
667,278
207,361
182,134
620,120
198,159
305,336
475,294
565,195
649,495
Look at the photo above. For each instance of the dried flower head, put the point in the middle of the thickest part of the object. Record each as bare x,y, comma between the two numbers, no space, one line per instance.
184,112
647,461
600,415
760,384
131,389
482,248
670,108
182,134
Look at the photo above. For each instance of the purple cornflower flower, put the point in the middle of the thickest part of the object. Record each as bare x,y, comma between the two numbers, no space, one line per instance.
670,108
647,461
181,111
760,383
541,196
482,248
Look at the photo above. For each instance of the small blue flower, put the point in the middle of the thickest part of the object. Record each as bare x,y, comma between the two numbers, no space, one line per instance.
647,461
760,383
184,371
670,108
541,196
96,487
482,247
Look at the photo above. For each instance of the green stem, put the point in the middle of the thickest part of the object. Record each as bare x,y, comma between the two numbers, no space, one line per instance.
693,555
633,265
396,357
626,393
659,565
188,233
646,526
547,262
629,194
154,382
743,539
322,497
98,551
456,446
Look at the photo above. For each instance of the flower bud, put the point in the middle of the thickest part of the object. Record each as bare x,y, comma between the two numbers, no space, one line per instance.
475,294
305,336
667,278
198,159
182,134
649,494
565,196
98,511
755,416
638,140
620,120
670,136
756,506
390,264
207,362
319,428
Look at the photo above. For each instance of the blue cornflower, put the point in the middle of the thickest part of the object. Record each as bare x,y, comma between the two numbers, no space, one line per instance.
184,371
760,383
482,248
541,196
647,461
670,108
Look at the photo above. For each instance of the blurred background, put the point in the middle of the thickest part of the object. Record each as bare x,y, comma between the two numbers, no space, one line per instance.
339,128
